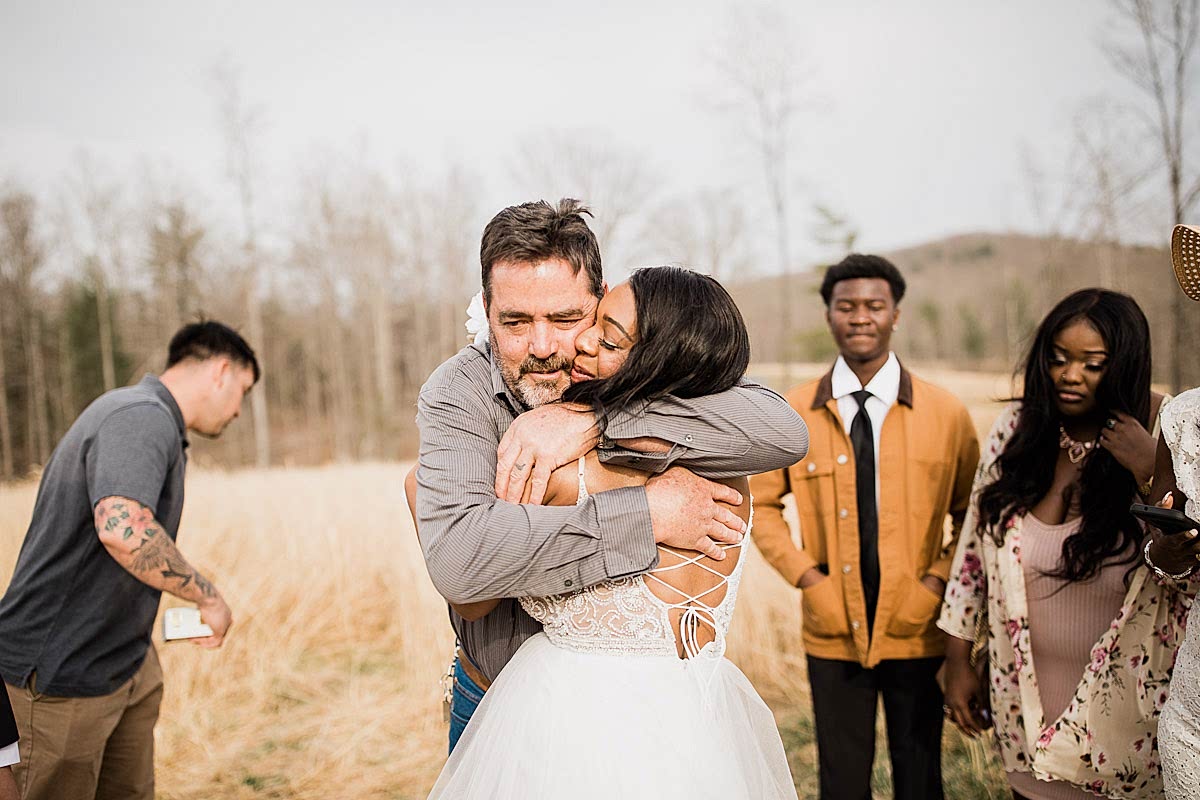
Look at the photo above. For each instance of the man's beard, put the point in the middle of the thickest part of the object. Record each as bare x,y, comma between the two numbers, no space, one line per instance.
531,392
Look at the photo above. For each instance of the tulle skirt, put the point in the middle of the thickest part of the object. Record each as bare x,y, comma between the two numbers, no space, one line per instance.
1179,724
559,723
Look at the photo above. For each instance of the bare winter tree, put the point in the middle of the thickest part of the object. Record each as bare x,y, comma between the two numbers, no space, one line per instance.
21,256
378,260
14,214
174,239
615,182
454,250
365,250
94,221
1111,177
1158,61
706,230
834,230
241,126
760,95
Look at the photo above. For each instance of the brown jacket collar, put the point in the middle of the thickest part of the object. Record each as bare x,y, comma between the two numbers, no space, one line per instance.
825,389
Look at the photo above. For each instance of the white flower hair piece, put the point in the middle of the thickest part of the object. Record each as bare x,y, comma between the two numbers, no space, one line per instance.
477,321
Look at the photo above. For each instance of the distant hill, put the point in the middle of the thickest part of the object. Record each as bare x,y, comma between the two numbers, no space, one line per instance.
973,299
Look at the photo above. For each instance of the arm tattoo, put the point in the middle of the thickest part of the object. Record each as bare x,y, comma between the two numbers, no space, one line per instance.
154,559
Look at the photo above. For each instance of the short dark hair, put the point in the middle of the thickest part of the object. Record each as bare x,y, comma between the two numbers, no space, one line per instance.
859,265
208,339
691,341
538,231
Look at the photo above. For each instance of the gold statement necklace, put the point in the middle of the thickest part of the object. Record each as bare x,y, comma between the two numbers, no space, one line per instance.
1076,451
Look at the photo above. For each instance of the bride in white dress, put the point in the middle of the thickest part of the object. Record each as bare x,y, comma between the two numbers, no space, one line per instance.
627,692
1179,725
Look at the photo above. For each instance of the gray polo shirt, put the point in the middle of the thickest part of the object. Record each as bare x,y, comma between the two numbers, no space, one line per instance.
71,612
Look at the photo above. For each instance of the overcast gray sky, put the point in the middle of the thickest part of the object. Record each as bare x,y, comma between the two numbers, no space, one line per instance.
921,108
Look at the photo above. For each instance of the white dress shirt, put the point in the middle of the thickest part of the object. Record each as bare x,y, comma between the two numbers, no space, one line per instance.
884,389
9,755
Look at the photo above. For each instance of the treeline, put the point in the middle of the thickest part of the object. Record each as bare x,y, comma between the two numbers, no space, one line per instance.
366,294
352,310
974,301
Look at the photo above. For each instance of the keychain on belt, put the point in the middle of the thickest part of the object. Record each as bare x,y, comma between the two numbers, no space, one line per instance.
447,682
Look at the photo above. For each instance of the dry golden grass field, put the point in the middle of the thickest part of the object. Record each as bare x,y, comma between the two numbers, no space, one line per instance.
327,686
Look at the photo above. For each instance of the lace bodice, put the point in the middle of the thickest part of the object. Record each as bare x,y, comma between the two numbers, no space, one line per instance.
1181,430
1179,728
625,617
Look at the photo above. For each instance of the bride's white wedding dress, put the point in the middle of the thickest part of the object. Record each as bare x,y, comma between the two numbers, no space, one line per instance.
1179,725
600,705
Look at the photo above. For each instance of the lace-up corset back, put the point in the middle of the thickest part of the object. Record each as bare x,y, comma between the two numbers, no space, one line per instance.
625,616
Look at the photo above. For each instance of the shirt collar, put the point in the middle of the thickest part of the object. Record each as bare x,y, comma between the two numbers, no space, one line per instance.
160,390
885,385
892,384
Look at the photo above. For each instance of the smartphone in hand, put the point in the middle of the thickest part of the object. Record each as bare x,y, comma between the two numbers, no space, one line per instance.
1167,520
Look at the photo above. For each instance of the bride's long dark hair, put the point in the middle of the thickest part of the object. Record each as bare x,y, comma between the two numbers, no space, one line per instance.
691,341
1026,466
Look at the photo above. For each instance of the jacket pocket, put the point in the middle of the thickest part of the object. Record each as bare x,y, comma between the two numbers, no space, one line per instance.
918,610
823,610
812,486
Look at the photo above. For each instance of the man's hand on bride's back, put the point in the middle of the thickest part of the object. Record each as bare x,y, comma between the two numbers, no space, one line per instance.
686,514
539,442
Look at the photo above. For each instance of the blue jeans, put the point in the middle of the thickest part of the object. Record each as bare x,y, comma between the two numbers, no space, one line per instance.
464,700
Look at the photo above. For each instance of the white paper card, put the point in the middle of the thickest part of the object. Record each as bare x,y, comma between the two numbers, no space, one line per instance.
184,623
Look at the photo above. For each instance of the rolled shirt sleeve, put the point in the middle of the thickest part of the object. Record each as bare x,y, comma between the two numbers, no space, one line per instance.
742,431
478,547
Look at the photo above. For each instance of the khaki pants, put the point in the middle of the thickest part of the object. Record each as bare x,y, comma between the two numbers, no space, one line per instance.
80,748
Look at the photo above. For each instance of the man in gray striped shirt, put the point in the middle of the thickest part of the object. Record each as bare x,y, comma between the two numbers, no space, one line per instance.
541,283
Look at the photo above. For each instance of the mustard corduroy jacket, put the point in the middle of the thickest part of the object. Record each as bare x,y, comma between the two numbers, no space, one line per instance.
928,452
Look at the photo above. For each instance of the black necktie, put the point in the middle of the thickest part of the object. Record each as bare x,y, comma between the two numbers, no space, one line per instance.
863,439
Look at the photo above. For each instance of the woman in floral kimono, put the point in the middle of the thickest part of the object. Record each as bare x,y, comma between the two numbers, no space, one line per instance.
1080,636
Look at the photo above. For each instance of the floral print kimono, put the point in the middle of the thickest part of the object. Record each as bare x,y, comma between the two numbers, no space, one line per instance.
1106,740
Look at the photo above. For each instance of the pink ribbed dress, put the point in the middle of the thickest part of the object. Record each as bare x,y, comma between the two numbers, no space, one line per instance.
1065,621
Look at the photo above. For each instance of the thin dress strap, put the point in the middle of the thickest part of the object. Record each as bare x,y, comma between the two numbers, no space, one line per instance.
583,492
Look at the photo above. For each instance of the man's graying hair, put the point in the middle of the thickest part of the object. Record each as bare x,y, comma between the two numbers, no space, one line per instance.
533,232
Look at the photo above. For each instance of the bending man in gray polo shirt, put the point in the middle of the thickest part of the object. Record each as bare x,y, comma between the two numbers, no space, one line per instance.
542,281
75,623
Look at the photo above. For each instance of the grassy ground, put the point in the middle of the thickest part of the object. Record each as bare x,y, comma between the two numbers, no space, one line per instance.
328,684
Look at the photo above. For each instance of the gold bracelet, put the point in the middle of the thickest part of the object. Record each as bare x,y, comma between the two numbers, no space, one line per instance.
1147,487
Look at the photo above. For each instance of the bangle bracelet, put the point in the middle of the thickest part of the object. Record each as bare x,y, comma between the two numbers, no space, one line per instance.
1164,575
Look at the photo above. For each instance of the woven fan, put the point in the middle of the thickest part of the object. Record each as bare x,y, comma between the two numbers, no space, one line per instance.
1185,252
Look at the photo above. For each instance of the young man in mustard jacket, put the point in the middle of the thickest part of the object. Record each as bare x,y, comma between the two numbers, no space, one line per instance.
890,457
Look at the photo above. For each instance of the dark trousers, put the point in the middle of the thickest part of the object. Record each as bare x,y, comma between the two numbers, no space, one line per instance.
845,700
